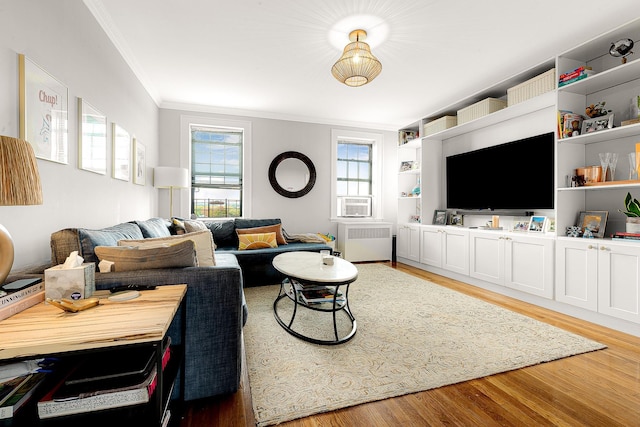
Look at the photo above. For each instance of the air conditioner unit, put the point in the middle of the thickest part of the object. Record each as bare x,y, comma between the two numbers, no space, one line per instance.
365,241
355,206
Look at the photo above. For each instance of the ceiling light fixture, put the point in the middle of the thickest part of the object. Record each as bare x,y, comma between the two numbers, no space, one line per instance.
357,66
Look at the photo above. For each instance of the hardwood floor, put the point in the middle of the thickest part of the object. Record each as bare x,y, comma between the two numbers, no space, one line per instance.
601,388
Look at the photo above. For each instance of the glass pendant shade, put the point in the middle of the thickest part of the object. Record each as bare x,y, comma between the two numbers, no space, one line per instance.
357,66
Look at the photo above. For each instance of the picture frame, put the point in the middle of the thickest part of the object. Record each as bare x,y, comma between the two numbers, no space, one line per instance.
537,224
407,165
405,136
593,223
415,219
440,217
139,162
43,112
597,124
92,138
520,224
455,219
121,164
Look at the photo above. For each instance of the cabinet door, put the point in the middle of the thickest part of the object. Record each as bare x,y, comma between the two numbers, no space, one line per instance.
402,241
431,246
529,264
577,273
619,281
455,250
414,243
486,257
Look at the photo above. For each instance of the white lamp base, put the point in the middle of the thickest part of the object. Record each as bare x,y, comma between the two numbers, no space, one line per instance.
6,253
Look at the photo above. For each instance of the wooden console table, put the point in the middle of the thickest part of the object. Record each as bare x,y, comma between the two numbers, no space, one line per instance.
44,330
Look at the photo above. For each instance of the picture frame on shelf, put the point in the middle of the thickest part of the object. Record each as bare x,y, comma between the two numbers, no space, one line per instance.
551,226
520,224
415,219
92,138
43,112
407,165
593,223
537,224
455,219
405,136
440,217
597,124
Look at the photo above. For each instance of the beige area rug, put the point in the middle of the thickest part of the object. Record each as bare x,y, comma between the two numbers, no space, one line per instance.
412,335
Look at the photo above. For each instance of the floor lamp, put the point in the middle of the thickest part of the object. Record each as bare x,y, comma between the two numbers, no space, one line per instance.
19,185
170,177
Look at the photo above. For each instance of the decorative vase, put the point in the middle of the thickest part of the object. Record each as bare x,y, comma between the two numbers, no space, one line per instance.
633,224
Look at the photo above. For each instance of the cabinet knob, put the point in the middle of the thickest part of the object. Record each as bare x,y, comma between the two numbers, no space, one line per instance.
591,247
603,248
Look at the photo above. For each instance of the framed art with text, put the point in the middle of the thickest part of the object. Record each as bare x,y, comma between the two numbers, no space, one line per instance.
43,112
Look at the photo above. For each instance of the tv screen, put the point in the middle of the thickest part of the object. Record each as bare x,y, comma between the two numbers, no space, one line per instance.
515,175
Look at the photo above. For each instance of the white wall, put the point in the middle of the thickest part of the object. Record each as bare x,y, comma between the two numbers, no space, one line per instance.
63,38
308,214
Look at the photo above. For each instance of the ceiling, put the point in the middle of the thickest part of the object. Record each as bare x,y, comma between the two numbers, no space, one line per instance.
273,58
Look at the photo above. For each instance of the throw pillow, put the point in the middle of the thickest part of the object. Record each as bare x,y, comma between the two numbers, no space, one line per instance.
202,239
129,258
224,233
257,241
109,236
177,226
192,225
154,227
277,228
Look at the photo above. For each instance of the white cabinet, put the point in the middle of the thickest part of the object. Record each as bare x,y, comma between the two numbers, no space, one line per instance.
600,275
521,262
408,242
445,247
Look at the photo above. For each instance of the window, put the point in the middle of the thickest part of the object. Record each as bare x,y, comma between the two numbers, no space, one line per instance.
219,161
355,174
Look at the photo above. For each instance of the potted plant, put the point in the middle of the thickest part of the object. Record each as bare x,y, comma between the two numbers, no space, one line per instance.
632,211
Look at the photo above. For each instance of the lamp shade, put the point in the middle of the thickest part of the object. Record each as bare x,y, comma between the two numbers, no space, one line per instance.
357,66
170,177
19,177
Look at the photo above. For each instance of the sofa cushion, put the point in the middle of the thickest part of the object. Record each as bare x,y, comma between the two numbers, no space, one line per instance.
154,227
252,223
224,233
257,241
130,258
183,226
277,228
202,239
109,236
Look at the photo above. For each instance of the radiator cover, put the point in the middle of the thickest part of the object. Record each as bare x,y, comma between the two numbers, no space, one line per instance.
365,241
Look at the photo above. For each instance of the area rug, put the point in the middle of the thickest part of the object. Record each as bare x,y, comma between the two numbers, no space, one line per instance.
412,335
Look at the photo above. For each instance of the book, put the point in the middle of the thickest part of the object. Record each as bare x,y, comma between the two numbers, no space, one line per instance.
13,297
51,406
20,305
9,387
21,395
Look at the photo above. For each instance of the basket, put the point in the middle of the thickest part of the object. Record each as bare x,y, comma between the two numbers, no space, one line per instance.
480,109
440,124
533,87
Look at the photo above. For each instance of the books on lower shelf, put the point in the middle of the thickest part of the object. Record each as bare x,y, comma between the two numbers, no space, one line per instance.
21,394
625,235
317,294
15,296
22,304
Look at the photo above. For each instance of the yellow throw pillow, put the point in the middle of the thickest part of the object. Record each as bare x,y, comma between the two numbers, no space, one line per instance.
257,241
129,258
276,228
202,239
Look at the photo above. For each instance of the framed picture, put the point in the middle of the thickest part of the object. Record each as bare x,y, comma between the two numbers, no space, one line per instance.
415,218
440,217
92,138
43,112
139,166
455,219
597,123
121,153
520,224
537,224
405,136
593,223
407,166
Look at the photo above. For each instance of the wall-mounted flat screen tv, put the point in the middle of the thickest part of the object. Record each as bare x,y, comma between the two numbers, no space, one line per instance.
517,175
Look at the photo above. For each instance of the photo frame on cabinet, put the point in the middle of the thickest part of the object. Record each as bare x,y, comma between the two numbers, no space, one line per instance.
92,138
455,219
520,224
440,217
537,224
407,166
139,163
43,112
597,124
593,222
121,153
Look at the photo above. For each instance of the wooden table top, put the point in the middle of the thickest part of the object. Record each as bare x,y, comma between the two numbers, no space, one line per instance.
308,266
44,329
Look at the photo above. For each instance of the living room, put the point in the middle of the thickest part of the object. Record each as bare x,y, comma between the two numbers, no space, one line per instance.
66,40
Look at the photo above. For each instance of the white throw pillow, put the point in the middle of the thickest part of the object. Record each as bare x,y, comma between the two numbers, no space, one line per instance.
203,241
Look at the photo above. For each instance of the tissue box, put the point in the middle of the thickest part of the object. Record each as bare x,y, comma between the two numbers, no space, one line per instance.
71,283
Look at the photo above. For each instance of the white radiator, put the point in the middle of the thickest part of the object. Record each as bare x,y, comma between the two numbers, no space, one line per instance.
365,241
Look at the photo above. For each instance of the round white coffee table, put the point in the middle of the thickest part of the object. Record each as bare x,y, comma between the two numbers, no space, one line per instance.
313,285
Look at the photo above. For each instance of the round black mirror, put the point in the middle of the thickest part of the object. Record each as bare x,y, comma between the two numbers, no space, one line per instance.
292,174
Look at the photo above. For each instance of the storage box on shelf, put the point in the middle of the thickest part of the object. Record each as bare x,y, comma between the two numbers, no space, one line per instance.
531,88
440,124
480,109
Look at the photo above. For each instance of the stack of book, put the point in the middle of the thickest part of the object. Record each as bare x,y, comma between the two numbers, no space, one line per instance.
20,295
312,294
625,235
19,381
575,75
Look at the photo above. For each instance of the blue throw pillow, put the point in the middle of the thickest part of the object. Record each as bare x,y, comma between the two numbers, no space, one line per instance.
224,233
154,227
89,239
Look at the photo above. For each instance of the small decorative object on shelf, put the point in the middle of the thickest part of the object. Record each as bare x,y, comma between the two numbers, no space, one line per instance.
456,219
633,167
537,224
574,231
593,222
621,49
440,217
632,211
407,166
597,124
416,189
597,110
415,218
405,136
571,124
